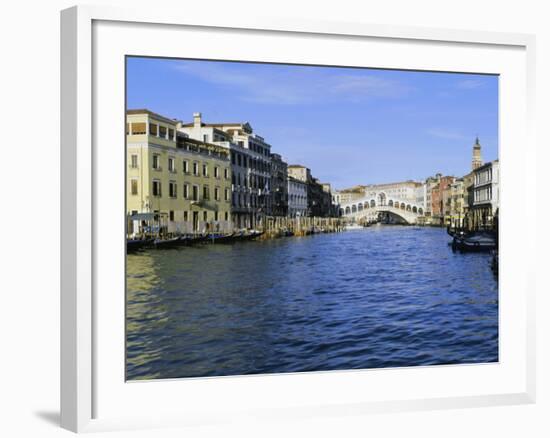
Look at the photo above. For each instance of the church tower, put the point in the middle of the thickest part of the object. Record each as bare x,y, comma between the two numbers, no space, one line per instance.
476,156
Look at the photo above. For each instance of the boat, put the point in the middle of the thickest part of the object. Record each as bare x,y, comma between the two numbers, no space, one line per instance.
476,242
221,238
172,242
133,245
351,227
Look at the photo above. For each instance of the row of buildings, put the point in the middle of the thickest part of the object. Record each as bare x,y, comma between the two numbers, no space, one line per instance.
471,200
193,176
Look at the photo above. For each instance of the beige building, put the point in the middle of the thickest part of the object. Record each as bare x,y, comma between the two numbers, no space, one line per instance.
185,184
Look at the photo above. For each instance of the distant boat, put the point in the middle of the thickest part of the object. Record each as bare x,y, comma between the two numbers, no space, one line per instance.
476,242
351,227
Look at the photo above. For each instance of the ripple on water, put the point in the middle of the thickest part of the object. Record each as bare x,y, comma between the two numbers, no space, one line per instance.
384,297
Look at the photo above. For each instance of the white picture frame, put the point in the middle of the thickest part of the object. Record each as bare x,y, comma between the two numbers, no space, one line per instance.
90,366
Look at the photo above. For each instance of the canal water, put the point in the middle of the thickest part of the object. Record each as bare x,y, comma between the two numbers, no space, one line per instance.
385,296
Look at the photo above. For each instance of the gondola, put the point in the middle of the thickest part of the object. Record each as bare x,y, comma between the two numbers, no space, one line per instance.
477,242
172,242
221,238
134,245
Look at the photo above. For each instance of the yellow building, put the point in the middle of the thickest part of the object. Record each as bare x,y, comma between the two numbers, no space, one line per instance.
184,183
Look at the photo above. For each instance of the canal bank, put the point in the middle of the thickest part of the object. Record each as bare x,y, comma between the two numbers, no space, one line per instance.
379,297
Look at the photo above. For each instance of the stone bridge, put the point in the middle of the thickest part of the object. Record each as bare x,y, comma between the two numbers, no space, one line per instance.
370,206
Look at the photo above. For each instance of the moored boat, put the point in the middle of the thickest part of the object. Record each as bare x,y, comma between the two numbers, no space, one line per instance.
477,242
133,245
172,242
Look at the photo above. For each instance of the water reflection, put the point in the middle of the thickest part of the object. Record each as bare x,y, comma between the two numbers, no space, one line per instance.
387,296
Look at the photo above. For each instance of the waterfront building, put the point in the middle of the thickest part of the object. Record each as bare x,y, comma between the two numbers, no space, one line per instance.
279,185
183,183
441,200
297,197
485,202
332,207
319,201
404,190
457,203
430,184
346,196
250,167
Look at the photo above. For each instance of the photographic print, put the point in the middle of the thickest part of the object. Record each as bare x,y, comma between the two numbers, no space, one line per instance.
295,218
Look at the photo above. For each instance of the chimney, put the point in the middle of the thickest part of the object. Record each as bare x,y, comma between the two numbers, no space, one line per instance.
197,120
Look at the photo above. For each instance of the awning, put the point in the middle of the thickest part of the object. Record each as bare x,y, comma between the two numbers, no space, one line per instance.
142,217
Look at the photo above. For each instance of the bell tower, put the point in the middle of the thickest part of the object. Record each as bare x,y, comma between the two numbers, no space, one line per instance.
477,161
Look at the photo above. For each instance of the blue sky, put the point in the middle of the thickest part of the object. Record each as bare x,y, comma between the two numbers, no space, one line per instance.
349,126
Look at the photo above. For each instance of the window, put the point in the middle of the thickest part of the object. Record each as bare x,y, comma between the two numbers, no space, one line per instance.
216,172
186,191
162,131
217,193
195,193
206,192
216,216
134,161
156,162
157,188
227,194
170,133
153,129
171,164
226,216
138,128
134,186
205,216
172,189
185,216
205,138
172,215
205,169
195,168
226,173
185,166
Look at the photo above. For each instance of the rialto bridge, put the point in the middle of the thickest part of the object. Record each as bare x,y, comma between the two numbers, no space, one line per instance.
370,207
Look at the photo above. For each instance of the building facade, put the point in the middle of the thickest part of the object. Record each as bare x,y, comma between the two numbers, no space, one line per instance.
297,197
279,186
319,200
441,200
185,183
250,164
485,190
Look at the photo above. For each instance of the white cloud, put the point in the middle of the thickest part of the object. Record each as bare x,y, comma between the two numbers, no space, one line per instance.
296,86
470,84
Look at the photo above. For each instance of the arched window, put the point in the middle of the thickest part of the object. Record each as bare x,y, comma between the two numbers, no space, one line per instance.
382,199
372,203
390,203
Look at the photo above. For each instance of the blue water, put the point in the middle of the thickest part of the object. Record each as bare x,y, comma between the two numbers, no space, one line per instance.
380,297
